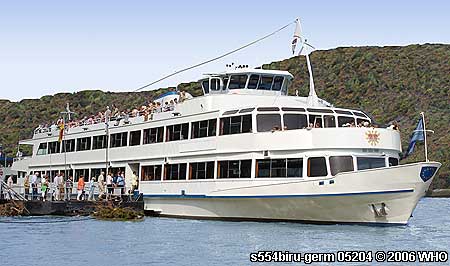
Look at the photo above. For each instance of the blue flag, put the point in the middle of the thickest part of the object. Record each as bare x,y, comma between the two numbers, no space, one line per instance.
418,135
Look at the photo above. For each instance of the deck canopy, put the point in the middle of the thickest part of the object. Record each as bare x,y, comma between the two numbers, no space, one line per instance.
247,81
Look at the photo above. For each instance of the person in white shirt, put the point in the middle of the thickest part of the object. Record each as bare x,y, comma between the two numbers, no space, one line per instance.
56,193
34,182
91,188
109,185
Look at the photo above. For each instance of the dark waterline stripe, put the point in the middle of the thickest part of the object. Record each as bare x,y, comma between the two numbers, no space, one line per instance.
277,196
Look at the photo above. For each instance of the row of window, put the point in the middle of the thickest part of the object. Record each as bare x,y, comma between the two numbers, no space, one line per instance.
265,168
242,81
199,129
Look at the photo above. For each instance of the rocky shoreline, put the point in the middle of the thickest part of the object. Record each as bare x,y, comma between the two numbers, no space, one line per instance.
438,193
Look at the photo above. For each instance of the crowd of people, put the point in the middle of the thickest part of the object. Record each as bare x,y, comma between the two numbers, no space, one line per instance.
61,188
114,114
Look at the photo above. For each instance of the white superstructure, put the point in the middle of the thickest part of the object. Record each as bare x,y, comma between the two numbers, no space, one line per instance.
246,150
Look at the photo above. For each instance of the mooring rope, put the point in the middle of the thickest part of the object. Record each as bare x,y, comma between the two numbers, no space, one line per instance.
215,58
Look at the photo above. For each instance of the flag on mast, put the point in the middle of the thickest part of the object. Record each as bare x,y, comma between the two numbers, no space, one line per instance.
61,131
297,34
418,135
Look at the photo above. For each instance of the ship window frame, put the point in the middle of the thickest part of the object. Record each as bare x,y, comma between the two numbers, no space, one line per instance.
292,168
312,118
199,131
68,145
262,85
325,122
253,86
224,169
230,127
135,140
116,142
153,135
151,172
320,166
239,83
297,125
42,149
53,147
201,170
275,82
293,109
84,144
341,124
99,139
175,171
341,164
177,132
371,161
263,121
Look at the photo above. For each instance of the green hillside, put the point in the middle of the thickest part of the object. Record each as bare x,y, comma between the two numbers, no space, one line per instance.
390,83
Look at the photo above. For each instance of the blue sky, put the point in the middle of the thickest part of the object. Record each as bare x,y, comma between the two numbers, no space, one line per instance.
65,46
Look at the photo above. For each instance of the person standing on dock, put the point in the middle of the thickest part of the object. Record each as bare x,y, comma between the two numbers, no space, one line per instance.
109,185
69,185
34,182
134,182
61,186
80,187
101,185
56,186
91,188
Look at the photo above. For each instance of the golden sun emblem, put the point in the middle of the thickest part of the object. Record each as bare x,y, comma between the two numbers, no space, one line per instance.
373,137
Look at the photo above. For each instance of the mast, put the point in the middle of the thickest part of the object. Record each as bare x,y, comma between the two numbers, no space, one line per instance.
424,136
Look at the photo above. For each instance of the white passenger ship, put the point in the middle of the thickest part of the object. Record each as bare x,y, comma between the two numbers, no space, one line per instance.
245,150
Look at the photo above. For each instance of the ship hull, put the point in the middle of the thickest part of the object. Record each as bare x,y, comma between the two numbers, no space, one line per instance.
380,196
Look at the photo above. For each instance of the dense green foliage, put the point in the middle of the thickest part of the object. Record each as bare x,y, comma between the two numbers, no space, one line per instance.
390,83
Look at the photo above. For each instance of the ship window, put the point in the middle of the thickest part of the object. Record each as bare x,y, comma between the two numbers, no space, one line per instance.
345,121
316,121
266,83
295,121
317,166
81,172
175,171
151,172
237,82
205,85
360,122
68,145
393,161
253,82
234,169
153,135
268,122
317,110
369,163
177,132
95,172
99,142
235,125
279,168
119,139
215,84
225,83
329,121
359,114
135,138
246,110
84,144
205,128
53,147
339,164
293,109
42,150
268,109
203,170
230,112
343,112
278,81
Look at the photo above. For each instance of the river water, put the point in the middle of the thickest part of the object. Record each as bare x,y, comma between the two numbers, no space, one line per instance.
164,241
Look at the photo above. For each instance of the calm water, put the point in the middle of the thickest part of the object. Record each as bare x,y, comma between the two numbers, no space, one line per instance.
164,241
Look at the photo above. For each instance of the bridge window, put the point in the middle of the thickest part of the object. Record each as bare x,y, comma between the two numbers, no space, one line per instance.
370,163
53,147
361,122
235,124
237,82
151,172
234,169
119,139
268,122
266,83
205,85
393,161
295,121
253,82
99,142
68,145
177,132
203,170
42,150
175,171
277,83
346,121
317,166
153,135
215,84
339,164
135,138
316,121
205,128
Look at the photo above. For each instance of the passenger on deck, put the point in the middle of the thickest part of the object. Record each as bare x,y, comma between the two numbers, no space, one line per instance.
44,187
34,183
80,188
69,185
26,185
109,185
91,188
134,182
101,185
121,183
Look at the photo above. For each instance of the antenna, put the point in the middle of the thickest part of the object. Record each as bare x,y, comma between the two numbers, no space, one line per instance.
313,100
